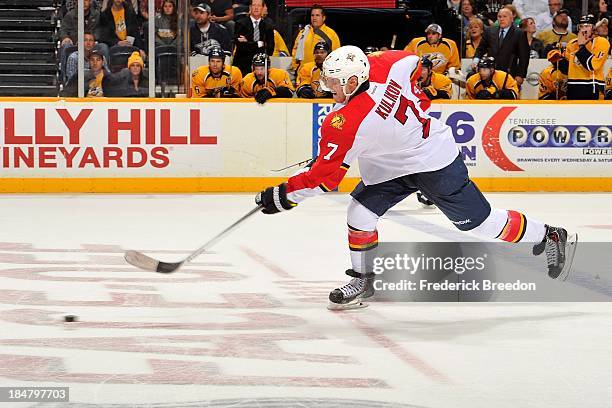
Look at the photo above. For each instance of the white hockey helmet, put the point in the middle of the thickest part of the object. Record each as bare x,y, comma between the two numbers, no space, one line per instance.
342,64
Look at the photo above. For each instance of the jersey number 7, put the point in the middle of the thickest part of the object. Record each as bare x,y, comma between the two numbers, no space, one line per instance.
402,118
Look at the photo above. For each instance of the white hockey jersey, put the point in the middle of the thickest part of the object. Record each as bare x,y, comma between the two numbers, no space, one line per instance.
386,127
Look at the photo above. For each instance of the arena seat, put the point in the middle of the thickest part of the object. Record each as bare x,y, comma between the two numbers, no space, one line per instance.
28,65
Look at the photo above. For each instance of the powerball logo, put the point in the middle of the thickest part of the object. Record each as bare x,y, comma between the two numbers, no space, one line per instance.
593,139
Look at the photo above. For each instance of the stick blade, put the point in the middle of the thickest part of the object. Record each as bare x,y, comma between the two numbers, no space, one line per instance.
142,261
145,262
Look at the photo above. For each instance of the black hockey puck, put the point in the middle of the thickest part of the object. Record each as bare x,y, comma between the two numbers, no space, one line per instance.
70,318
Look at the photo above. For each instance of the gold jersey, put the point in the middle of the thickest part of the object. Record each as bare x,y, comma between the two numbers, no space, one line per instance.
280,48
500,81
443,54
586,65
552,84
276,78
439,87
309,74
309,40
94,88
205,85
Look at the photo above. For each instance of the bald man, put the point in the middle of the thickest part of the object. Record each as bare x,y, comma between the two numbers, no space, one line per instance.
507,44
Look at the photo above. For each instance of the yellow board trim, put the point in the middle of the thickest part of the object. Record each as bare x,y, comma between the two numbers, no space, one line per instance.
254,184
284,100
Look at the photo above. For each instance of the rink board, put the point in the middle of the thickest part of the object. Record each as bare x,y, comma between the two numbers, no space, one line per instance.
147,145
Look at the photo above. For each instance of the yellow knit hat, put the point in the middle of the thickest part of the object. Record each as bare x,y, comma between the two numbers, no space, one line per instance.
135,58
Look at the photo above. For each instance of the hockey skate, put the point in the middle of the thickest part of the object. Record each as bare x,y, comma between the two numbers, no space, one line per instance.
351,295
425,202
560,249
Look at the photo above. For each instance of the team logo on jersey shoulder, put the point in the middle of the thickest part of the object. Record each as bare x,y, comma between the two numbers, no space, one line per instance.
337,121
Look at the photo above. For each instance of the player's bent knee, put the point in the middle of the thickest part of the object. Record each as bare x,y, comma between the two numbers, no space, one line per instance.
360,218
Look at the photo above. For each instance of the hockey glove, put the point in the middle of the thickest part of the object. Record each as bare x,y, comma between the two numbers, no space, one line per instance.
429,93
506,94
274,200
306,92
228,92
484,94
263,95
609,95
284,92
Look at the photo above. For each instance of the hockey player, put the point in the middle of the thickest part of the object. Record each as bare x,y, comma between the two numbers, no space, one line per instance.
586,55
381,118
266,82
435,86
553,78
308,77
214,80
442,52
489,83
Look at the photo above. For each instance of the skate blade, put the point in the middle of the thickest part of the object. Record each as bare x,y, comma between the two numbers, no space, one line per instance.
570,251
356,304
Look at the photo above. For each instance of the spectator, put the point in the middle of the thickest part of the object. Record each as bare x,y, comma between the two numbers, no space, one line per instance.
558,34
553,79
508,45
490,83
536,47
265,82
144,8
601,28
469,10
530,8
442,52
215,80
203,31
609,85
603,11
119,25
314,32
254,34
586,56
222,12
434,85
130,82
68,33
134,4
70,5
544,20
307,83
90,45
166,25
93,78
474,36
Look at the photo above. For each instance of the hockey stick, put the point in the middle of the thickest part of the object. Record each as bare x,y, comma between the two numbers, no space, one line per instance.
142,261
292,165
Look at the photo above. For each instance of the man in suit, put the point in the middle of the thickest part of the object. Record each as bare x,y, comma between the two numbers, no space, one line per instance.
508,45
254,34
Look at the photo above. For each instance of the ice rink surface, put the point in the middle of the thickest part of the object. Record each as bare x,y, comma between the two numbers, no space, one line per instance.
247,326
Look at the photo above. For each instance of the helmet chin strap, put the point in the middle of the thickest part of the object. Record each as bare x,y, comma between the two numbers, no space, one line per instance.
349,94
